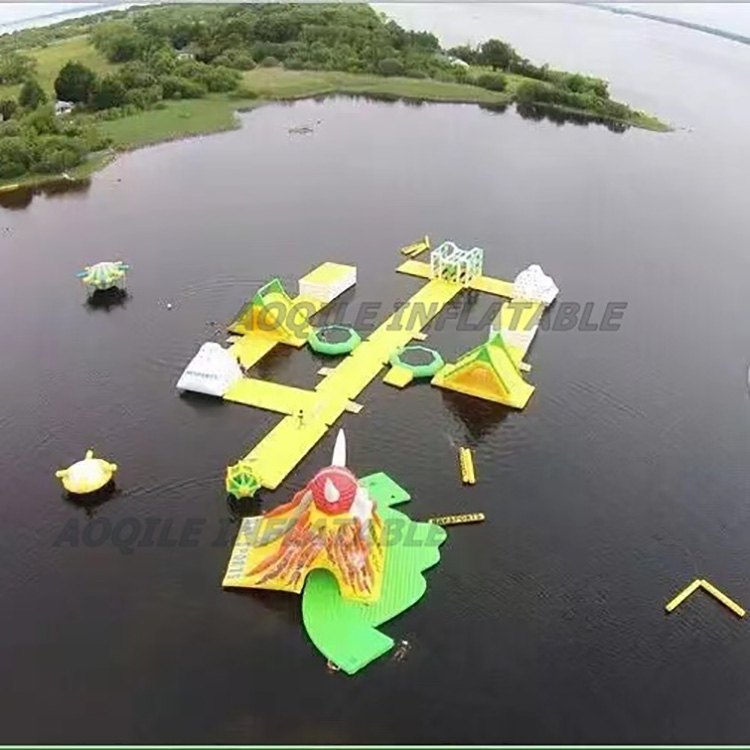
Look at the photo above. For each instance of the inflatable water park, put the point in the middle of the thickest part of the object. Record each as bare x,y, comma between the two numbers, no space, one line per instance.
494,370
332,542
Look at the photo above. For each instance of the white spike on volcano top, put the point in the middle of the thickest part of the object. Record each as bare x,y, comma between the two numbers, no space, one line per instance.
339,450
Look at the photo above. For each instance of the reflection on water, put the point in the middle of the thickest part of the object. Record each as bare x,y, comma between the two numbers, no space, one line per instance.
539,112
535,112
91,501
106,299
479,418
497,107
240,508
22,197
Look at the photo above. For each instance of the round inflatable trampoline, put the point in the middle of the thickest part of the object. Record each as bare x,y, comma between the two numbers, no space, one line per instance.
421,361
334,340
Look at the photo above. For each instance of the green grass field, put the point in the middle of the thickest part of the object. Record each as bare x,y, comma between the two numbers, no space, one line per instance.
277,83
51,58
180,119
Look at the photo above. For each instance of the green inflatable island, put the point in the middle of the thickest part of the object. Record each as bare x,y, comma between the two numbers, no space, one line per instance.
421,361
345,632
334,340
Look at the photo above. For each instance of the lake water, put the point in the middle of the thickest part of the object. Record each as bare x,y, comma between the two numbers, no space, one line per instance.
625,478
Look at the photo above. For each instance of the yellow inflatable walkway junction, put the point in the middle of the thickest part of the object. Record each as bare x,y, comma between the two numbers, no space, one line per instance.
491,371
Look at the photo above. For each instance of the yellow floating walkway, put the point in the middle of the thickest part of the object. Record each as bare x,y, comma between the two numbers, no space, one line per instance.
498,287
288,443
487,284
283,448
250,349
265,394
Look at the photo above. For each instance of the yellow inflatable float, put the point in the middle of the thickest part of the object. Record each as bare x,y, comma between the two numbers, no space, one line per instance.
88,475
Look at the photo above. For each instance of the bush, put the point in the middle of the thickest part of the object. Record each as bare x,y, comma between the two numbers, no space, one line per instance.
144,98
8,108
391,67
239,59
491,81
110,92
10,168
32,94
496,54
57,154
466,53
42,121
75,83
10,128
523,67
176,87
461,74
218,78
15,156
243,92
118,41
137,75
269,62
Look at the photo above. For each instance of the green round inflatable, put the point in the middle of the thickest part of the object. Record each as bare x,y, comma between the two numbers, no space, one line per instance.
334,340
421,361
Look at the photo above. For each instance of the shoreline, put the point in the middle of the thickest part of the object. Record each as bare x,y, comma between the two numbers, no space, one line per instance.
223,111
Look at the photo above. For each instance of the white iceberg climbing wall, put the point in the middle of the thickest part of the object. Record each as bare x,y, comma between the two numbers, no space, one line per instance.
533,284
211,371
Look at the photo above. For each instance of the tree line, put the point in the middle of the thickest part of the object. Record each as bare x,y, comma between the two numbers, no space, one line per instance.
189,51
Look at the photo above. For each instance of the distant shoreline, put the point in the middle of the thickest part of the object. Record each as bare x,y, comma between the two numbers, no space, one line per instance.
58,16
731,35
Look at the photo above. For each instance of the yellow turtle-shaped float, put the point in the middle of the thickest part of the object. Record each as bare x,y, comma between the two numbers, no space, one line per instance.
88,475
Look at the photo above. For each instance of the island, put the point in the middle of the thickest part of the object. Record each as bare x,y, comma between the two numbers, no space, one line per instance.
74,94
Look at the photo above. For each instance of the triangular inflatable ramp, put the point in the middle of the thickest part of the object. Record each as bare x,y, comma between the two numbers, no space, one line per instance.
487,372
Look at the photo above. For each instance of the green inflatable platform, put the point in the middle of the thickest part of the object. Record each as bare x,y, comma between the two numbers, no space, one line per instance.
345,632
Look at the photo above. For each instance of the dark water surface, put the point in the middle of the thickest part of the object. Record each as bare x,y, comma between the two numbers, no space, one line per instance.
625,478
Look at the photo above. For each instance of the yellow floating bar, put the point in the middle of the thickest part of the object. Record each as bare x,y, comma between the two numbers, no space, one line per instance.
453,520
711,589
417,247
489,285
250,349
684,594
327,273
723,598
466,463
264,394
486,284
398,376
415,268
